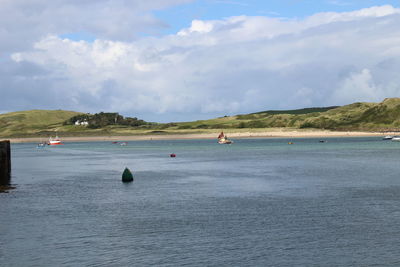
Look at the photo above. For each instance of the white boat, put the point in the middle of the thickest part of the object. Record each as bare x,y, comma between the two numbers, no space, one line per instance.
41,145
55,141
396,138
223,139
388,137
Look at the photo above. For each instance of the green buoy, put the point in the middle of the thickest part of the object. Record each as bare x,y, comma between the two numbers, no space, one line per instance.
127,176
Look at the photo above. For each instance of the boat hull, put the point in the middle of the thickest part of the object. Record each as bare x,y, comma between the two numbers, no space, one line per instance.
226,142
55,143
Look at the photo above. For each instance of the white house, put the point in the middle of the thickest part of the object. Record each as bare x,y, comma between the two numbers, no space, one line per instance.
83,123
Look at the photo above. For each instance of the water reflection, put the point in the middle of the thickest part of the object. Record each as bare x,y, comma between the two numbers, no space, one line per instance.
6,188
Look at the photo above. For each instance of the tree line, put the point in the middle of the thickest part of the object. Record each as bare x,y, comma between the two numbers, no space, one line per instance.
102,119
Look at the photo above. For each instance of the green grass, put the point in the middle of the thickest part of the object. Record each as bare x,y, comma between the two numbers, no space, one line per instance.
32,121
357,116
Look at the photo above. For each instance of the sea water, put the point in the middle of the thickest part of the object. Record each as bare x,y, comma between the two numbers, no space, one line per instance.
257,202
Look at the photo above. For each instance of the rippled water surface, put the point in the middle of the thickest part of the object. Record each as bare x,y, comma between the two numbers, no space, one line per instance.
257,202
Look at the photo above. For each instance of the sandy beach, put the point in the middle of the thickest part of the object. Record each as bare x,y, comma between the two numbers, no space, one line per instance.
232,135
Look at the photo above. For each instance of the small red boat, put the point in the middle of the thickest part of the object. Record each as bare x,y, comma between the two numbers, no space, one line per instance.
55,141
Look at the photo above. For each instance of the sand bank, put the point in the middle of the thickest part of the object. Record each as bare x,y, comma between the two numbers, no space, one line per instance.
232,135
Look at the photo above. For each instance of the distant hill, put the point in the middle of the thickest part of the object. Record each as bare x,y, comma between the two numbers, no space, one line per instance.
358,116
45,123
33,121
384,116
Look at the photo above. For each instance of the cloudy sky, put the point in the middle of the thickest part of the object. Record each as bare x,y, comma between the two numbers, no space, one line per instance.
175,60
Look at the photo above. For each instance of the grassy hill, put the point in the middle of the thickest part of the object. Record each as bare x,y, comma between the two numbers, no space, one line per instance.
44,123
33,122
358,116
382,116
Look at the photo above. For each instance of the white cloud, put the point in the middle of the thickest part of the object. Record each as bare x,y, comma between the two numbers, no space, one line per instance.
25,21
359,84
236,65
198,26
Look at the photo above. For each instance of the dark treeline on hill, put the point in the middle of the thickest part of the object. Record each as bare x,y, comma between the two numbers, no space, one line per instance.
103,119
296,111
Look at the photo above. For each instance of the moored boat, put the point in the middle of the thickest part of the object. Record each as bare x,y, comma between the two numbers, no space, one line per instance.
55,141
223,139
396,138
41,144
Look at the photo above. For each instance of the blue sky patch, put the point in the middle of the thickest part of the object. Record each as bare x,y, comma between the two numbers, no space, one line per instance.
179,17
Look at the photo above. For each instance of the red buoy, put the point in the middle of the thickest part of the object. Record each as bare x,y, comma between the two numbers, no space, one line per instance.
172,155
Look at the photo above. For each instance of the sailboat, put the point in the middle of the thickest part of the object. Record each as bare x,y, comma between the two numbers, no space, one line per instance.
55,141
223,139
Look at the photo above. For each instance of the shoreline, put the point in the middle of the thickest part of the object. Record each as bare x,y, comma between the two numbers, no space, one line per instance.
232,135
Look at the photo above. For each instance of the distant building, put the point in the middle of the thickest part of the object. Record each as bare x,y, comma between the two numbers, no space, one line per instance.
83,123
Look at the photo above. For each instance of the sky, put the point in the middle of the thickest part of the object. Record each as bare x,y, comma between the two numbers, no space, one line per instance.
182,60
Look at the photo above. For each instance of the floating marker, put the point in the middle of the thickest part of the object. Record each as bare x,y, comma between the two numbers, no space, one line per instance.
172,155
127,176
